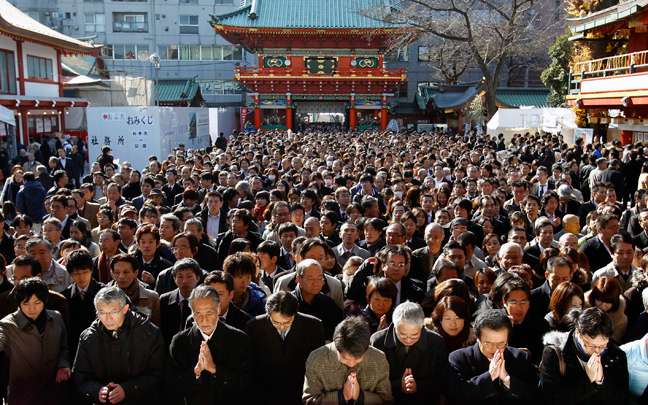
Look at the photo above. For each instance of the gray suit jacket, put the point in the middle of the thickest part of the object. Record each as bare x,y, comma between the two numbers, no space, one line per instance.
356,251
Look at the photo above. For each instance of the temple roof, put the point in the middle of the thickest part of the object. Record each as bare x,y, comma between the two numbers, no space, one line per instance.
607,16
16,24
452,97
179,90
305,14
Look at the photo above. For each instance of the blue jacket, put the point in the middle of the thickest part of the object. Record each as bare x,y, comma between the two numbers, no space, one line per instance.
637,366
31,201
256,303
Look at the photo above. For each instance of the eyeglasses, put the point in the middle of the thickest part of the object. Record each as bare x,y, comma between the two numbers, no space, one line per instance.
81,273
518,303
180,248
592,347
112,313
397,265
314,280
492,345
280,324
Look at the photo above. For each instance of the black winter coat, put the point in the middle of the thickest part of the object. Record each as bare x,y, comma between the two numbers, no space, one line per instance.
135,360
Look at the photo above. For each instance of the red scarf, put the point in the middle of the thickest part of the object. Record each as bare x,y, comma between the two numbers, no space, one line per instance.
104,273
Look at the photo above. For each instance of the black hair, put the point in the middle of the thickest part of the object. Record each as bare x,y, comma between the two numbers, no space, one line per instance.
594,322
272,248
218,276
283,302
352,336
36,268
186,264
78,260
492,319
30,287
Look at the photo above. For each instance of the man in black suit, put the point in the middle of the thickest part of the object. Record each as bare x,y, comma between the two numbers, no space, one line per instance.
281,341
489,372
599,194
543,185
310,279
65,163
613,175
417,357
213,218
207,255
174,305
80,296
544,239
597,248
230,314
240,221
641,240
172,189
559,269
210,362
268,254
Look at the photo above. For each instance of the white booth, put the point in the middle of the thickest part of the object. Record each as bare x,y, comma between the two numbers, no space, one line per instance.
135,133
511,121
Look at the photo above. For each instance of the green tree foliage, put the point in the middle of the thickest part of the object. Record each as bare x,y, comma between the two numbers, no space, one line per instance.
556,76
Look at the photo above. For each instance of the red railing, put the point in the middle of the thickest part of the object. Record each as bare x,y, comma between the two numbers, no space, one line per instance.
338,72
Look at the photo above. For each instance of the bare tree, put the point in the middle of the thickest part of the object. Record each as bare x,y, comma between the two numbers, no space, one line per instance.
448,59
490,31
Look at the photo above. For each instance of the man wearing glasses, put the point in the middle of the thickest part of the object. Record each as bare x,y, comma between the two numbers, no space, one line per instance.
491,372
310,280
583,366
281,341
121,355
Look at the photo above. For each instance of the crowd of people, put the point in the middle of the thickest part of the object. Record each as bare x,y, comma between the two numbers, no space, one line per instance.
328,267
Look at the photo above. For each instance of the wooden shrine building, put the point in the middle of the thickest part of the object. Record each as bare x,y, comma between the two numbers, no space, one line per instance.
315,56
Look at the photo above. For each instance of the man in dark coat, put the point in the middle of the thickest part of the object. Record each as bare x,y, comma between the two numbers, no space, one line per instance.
413,351
121,355
595,248
174,305
489,372
281,341
210,362
80,296
584,366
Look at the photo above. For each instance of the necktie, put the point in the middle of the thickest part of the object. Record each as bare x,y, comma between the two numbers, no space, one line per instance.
283,335
346,255
541,190
81,295
182,309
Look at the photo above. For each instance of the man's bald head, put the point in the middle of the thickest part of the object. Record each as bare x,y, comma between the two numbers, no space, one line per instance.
571,224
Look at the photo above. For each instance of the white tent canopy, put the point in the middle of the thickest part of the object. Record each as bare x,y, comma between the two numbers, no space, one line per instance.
510,121
7,116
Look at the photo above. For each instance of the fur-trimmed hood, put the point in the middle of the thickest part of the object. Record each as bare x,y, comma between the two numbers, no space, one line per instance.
556,339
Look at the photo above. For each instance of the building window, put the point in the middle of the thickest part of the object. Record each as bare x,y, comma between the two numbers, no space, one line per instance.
130,22
224,2
399,55
126,51
39,68
424,54
168,52
188,24
95,22
200,52
33,14
189,52
7,73
188,1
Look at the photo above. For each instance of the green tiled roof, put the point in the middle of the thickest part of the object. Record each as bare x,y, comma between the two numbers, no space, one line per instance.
522,96
610,15
317,14
178,90
446,96
453,96
407,108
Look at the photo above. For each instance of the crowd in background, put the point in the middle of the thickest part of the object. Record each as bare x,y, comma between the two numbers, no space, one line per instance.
327,267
